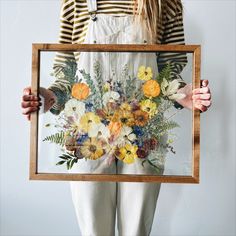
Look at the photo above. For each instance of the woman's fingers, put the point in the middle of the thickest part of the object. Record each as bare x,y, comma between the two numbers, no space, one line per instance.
200,107
28,110
201,90
30,98
204,83
206,103
202,96
30,104
27,91
205,96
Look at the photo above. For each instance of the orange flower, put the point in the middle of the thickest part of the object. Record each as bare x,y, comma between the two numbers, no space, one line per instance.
115,128
140,117
124,117
80,91
151,88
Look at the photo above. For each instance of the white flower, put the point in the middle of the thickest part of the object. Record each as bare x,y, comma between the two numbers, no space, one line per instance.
99,129
126,136
110,96
74,107
170,89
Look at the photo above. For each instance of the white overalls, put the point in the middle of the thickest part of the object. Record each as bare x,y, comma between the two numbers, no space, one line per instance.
96,203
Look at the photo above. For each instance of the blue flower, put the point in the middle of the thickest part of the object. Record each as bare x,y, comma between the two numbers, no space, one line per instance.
88,106
105,122
138,131
82,138
137,142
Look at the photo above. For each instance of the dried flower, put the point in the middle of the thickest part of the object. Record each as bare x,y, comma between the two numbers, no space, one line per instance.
145,73
151,88
140,117
128,153
80,91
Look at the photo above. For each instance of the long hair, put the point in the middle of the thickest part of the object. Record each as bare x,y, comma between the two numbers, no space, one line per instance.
150,14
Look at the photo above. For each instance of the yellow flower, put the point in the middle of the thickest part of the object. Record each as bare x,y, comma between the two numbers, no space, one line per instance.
151,88
125,106
124,117
106,87
80,91
92,149
128,153
87,120
145,73
149,106
140,117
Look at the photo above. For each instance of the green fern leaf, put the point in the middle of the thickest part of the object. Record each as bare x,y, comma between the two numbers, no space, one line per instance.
57,138
165,73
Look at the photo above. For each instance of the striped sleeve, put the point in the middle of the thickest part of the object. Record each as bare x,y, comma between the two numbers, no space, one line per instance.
61,86
173,33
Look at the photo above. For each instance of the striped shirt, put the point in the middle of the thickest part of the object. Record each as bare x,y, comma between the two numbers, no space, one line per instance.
74,18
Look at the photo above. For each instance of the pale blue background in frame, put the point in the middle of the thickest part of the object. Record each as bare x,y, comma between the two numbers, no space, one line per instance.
45,208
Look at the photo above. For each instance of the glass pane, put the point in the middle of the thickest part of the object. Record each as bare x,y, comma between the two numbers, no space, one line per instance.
117,113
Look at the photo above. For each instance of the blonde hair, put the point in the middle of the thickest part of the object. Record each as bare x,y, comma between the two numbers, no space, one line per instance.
150,14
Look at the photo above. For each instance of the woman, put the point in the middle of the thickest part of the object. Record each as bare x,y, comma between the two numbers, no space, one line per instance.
112,22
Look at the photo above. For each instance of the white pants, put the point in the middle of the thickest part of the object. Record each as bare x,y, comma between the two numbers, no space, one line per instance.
96,202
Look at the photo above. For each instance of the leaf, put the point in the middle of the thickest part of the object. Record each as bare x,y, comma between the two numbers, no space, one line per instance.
65,157
72,163
156,167
98,76
60,162
68,165
143,163
57,138
165,73
96,97
173,87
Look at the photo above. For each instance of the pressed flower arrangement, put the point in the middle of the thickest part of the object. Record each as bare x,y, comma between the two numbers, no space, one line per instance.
116,119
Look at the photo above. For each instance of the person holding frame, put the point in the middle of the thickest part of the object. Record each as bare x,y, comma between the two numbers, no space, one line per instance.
90,22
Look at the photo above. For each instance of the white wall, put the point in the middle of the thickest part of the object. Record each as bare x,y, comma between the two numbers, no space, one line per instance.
45,208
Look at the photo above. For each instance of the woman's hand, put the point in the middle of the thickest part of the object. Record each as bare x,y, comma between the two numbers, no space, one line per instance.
199,98
31,103
202,96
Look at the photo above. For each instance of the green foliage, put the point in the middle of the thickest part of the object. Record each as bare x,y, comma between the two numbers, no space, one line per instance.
68,159
154,164
70,71
57,138
165,73
95,96
130,88
158,126
98,76
165,127
165,105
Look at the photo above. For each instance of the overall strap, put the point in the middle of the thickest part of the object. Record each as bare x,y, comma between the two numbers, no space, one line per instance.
92,8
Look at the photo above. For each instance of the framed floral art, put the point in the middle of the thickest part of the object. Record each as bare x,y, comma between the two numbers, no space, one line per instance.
116,113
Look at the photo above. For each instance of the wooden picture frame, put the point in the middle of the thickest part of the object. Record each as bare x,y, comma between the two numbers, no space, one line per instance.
34,174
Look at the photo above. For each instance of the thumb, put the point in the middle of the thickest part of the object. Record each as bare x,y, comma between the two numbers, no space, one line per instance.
205,83
27,91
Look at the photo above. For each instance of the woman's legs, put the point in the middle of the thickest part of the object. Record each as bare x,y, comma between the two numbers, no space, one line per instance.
94,202
136,202
95,206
